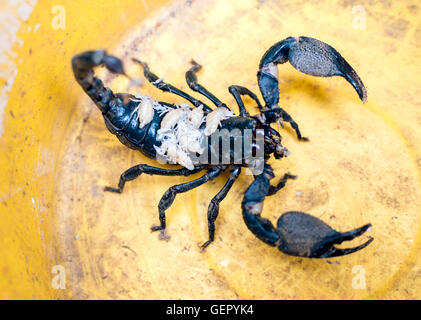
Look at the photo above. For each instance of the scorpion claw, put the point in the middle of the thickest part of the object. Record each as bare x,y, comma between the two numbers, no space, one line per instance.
296,233
306,236
335,252
309,56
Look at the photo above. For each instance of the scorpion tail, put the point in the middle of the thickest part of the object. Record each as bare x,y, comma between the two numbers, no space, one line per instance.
297,233
309,56
83,65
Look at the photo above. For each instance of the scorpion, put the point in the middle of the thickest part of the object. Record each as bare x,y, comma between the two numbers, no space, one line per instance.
177,132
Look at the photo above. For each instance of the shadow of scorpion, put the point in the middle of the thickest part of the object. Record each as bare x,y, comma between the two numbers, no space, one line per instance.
136,122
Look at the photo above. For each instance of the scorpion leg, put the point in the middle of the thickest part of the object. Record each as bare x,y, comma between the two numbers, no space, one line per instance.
274,189
195,86
284,116
135,171
169,196
213,208
237,91
297,233
166,87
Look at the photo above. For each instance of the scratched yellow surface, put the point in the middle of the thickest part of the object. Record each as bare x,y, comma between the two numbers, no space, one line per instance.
362,163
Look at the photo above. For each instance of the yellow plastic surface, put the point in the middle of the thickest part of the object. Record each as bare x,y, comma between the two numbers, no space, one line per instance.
362,164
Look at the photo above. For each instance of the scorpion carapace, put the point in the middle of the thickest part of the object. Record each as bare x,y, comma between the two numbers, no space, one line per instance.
179,134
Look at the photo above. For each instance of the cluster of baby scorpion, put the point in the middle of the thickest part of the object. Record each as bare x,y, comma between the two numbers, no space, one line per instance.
180,132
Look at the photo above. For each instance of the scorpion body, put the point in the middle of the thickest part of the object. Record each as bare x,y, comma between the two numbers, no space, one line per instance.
177,132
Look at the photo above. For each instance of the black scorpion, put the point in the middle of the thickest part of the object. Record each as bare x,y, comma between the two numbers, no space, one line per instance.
296,233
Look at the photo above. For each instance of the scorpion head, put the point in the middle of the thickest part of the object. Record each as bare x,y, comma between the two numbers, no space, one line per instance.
273,139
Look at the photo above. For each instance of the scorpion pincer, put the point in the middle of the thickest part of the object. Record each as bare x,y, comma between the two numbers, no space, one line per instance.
178,134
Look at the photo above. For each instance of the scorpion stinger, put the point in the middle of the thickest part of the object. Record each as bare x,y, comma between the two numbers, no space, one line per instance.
83,65
297,233
307,55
